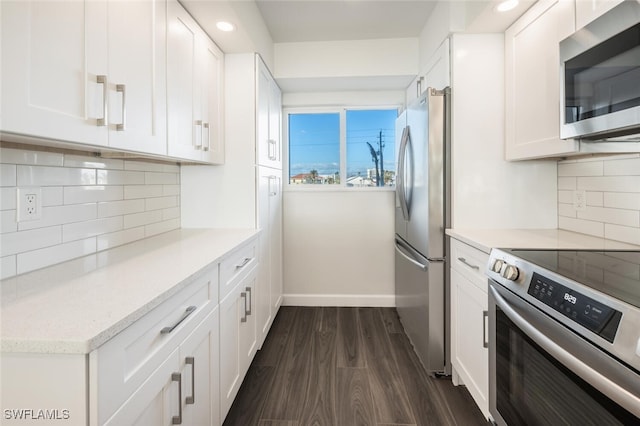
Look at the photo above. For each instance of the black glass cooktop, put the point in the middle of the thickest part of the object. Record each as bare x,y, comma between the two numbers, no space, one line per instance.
613,272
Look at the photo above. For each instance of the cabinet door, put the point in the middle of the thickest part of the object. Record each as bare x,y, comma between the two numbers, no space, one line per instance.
469,353
275,124
532,81
275,242
157,401
248,329
49,74
268,118
137,75
211,101
200,363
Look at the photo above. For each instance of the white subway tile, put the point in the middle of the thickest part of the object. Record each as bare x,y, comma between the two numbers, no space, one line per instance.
115,208
114,239
170,189
622,200
59,215
142,191
566,210
90,228
8,221
120,177
140,219
610,183
607,215
565,197
171,168
8,198
567,183
160,227
39,158
155,178
171,213
23,241
594,168
594,198
7,267
7,175
92,194
583,226
623,167
160,203
54,176
143,166
52,196
93,162
623,233
37,259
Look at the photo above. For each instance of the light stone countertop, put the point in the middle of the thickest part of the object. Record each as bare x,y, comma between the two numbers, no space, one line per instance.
486,239
76,306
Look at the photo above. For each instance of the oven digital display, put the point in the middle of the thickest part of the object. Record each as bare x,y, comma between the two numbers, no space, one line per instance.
593,315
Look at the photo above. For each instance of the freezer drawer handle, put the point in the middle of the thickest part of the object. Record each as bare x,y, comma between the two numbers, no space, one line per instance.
187,312
415,262
463,260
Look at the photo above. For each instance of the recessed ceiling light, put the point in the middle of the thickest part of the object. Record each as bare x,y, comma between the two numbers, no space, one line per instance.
225,26
506,5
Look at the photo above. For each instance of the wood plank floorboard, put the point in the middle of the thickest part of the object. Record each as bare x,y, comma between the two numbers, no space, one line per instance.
345,367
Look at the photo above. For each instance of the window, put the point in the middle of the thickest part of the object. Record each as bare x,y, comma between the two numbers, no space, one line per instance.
348,147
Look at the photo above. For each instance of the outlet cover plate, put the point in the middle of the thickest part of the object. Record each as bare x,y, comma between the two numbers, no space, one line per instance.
29,204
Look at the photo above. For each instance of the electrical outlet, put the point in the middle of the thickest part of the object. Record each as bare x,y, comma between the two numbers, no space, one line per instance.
29,204
580,200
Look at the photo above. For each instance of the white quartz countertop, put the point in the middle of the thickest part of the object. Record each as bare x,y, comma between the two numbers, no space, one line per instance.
486,239
76,306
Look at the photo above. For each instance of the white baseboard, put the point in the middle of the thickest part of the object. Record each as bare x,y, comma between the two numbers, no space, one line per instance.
346,300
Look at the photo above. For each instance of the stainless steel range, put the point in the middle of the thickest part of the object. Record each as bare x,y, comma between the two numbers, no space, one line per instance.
564,333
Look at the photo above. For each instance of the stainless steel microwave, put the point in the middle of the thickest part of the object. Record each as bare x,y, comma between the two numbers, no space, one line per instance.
600,78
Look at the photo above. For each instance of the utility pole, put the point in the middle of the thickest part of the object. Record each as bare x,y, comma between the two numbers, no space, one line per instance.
381,148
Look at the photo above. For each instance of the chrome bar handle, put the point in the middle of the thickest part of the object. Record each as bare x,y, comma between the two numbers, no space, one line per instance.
485,340
192,362
244,296
102,79
271,192
198,142
272,143
470,265
187,312
243,263
177,377
122,89
248,289
208,139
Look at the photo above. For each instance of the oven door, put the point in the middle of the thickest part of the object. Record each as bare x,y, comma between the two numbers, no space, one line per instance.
542,373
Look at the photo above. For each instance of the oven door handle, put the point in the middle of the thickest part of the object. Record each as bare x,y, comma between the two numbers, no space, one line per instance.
611,389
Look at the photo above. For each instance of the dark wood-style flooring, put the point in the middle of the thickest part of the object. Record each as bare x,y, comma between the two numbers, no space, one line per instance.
344,367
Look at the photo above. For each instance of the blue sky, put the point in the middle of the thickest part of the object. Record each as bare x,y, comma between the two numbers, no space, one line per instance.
315,141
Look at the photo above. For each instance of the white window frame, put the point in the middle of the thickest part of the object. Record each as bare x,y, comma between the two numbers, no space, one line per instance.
342,111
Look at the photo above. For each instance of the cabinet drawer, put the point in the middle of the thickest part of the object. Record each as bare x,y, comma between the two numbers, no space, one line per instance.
470,263
235,264
123,363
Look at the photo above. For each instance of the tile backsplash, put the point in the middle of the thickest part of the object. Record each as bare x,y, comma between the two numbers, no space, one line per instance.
89,204
611,190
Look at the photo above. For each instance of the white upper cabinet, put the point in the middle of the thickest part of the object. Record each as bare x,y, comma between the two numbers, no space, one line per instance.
588,10
86,72
532,81
194,90
269,114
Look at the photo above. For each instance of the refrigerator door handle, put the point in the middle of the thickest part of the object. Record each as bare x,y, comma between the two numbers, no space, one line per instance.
411,259
402,157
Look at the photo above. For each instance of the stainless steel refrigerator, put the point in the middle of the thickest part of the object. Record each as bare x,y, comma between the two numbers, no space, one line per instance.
422,215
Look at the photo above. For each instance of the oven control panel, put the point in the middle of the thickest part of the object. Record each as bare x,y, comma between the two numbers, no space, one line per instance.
595,316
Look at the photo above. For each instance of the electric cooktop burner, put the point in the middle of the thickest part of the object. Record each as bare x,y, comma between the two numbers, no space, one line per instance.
613,272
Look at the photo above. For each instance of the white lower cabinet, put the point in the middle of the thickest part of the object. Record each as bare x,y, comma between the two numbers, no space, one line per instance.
469,322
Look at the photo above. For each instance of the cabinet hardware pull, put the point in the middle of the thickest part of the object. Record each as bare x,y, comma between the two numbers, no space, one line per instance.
272,143
122,89
271,192
208,139
102,79
485,340
248,289
197,141
244,317
243,263
187,312
191,361
177,377
463,260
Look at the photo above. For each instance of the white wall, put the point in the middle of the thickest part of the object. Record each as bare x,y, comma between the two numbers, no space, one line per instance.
338,248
